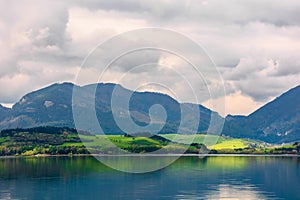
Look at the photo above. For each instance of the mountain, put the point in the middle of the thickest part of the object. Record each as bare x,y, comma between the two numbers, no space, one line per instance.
276,122
4,112
52,106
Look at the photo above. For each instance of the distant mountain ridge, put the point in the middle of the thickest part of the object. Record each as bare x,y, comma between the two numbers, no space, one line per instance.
276,122
52,106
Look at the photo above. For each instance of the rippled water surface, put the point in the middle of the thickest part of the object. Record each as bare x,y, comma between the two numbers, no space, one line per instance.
188,178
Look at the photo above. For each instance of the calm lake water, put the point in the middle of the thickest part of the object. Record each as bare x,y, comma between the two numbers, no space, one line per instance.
188,178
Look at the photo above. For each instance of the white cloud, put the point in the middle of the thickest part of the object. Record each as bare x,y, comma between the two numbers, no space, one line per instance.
90,28
33,76
256,44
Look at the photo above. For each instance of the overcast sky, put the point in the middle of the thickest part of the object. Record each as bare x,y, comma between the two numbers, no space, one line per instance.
255,44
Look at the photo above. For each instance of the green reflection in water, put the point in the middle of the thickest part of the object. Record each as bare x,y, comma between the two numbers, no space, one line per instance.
49,166
214,177
67,166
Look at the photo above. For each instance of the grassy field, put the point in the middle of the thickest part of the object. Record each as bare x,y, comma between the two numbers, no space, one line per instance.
211,141
208,140
121,141
179,144
231,144
132,144
4,139
57,141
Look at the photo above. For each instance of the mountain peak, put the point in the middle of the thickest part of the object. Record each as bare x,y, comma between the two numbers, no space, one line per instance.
277,121
287,102
53,105
4,107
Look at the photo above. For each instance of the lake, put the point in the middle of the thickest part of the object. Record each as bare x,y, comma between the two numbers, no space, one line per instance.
214,177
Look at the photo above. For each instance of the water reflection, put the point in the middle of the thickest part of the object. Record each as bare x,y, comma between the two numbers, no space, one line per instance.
187,178
228,192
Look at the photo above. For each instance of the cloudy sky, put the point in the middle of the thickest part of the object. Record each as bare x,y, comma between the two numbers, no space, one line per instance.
254,44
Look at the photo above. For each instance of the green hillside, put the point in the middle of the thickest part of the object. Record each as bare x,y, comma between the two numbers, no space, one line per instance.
62,141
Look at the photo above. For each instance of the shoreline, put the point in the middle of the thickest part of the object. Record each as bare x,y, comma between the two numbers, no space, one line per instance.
153,155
